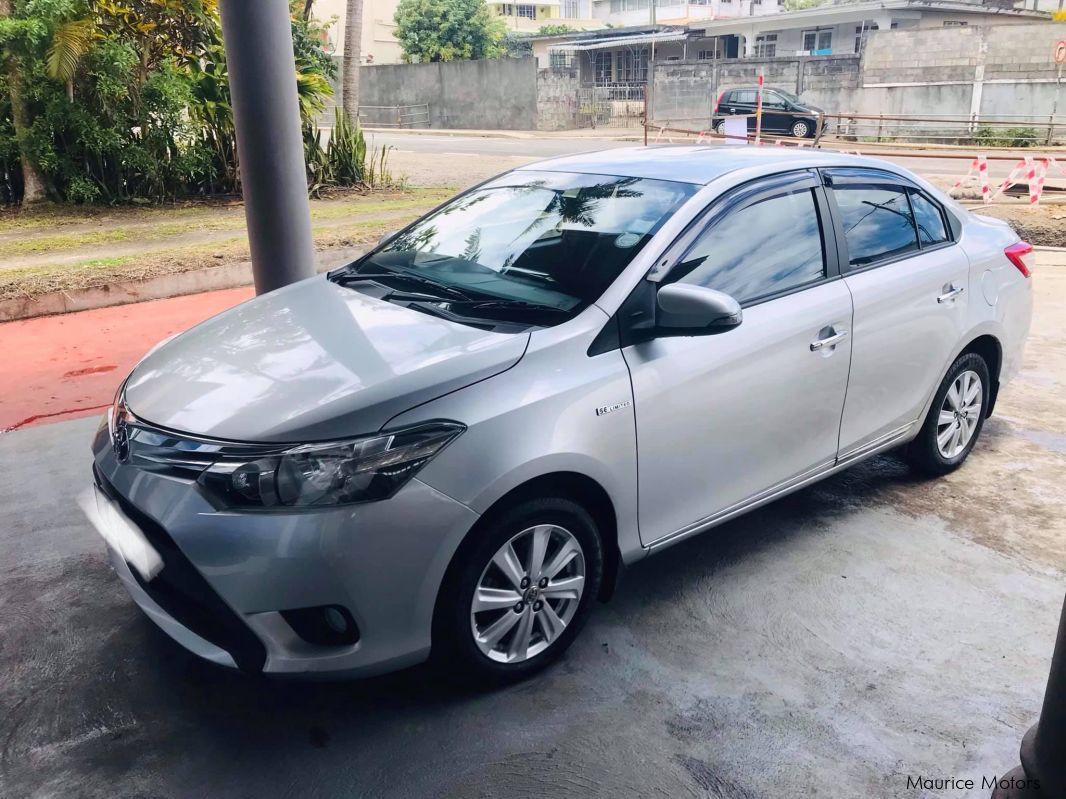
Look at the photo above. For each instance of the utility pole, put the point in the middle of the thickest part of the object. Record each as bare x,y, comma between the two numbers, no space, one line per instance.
266,117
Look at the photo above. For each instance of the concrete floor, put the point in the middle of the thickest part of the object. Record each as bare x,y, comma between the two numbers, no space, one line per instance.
870,628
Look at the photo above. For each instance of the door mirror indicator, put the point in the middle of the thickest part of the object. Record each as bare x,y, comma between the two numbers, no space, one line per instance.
682,309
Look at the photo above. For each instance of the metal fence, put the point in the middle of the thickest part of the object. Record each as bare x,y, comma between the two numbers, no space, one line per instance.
619,105
989,130
394,116
986,132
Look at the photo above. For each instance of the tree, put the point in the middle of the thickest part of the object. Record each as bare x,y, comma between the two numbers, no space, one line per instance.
448,30
15,35
353,45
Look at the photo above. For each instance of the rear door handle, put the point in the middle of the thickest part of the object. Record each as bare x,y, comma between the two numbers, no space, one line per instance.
951,294
828,341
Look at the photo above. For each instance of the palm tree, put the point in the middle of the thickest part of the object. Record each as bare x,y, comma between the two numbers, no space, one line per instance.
32,182
353,42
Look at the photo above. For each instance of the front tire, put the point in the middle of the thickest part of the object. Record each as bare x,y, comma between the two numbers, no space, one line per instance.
519,593
801,129
955,418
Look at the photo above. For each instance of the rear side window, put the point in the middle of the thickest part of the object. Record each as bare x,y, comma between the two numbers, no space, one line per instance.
929,219
768,247
877,222
746,97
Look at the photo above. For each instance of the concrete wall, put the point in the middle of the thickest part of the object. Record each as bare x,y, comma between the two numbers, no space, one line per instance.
557,99
987,70
687,90
493,94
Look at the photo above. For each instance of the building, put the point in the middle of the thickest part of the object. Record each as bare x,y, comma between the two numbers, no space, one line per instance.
620,56
379,44
531,17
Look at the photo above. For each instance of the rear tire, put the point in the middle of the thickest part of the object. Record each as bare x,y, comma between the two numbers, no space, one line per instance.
526,613
955,418
719,128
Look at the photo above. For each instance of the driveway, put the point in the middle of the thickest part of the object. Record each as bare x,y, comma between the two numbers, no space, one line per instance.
863,631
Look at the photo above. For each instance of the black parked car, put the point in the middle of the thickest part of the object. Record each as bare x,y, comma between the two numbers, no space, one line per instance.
782,111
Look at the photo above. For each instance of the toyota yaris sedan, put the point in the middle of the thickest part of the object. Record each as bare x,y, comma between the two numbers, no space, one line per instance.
452,445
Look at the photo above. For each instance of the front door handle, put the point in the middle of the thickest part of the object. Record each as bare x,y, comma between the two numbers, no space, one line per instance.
828,341
950,294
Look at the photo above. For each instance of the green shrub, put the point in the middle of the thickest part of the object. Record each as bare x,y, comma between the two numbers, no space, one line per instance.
995,136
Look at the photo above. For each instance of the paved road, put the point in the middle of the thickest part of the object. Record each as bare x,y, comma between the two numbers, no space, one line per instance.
534,148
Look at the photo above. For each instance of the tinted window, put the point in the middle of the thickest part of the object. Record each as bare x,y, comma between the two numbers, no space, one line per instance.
761,249
930,220
744,97
877,223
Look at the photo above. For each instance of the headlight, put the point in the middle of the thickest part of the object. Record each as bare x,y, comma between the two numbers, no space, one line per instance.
335,473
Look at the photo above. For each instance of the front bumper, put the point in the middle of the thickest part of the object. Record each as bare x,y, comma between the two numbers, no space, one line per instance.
227,576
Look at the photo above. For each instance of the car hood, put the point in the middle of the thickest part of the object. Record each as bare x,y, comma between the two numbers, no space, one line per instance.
311,362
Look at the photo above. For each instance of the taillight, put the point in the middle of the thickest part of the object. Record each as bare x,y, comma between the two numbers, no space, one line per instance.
718,102
1022,256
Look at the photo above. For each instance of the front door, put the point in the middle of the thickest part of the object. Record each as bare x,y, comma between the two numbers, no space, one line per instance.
910,284
724,420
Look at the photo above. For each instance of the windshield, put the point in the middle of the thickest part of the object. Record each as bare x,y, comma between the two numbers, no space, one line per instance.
789,96
554,240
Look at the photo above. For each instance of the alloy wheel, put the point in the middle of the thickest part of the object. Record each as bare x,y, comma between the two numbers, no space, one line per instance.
528,593
959,414
800,130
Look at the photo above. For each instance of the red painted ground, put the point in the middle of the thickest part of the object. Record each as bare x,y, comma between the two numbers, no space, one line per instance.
61,367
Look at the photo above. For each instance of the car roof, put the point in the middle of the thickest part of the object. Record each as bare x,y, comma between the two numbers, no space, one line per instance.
697,164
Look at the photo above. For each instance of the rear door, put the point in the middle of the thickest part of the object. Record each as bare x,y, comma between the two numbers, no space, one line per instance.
742,101
909,282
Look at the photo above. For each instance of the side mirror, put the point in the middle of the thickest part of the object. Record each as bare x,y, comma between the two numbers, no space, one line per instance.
686,310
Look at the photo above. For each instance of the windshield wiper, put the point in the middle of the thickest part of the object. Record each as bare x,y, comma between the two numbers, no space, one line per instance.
440,290
511,305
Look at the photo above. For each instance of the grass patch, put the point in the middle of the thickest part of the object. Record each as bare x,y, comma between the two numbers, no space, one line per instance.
375,216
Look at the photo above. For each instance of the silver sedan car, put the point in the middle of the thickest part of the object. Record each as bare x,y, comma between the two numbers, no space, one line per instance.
451,446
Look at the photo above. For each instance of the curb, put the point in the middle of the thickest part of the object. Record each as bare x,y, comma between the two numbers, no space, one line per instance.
178,284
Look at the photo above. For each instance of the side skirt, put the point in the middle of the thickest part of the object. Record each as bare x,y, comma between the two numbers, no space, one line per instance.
849,458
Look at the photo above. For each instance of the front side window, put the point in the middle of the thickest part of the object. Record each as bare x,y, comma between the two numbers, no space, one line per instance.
768,247
555,240
877,222
929,219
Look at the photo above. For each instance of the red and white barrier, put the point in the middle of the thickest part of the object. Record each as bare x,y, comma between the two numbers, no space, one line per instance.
1032,169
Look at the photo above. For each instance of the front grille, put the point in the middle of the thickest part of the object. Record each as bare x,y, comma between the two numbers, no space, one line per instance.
181,591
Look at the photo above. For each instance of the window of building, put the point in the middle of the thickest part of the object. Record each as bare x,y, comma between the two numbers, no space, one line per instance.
560,60
818,39
877,222
527,12
766,45
631,66
860,34
764,248
602,66
571,9
955,23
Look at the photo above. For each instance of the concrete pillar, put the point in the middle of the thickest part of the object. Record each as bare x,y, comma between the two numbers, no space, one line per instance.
266,116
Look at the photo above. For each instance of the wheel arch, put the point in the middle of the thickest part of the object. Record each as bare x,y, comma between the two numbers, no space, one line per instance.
988,347
575,486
